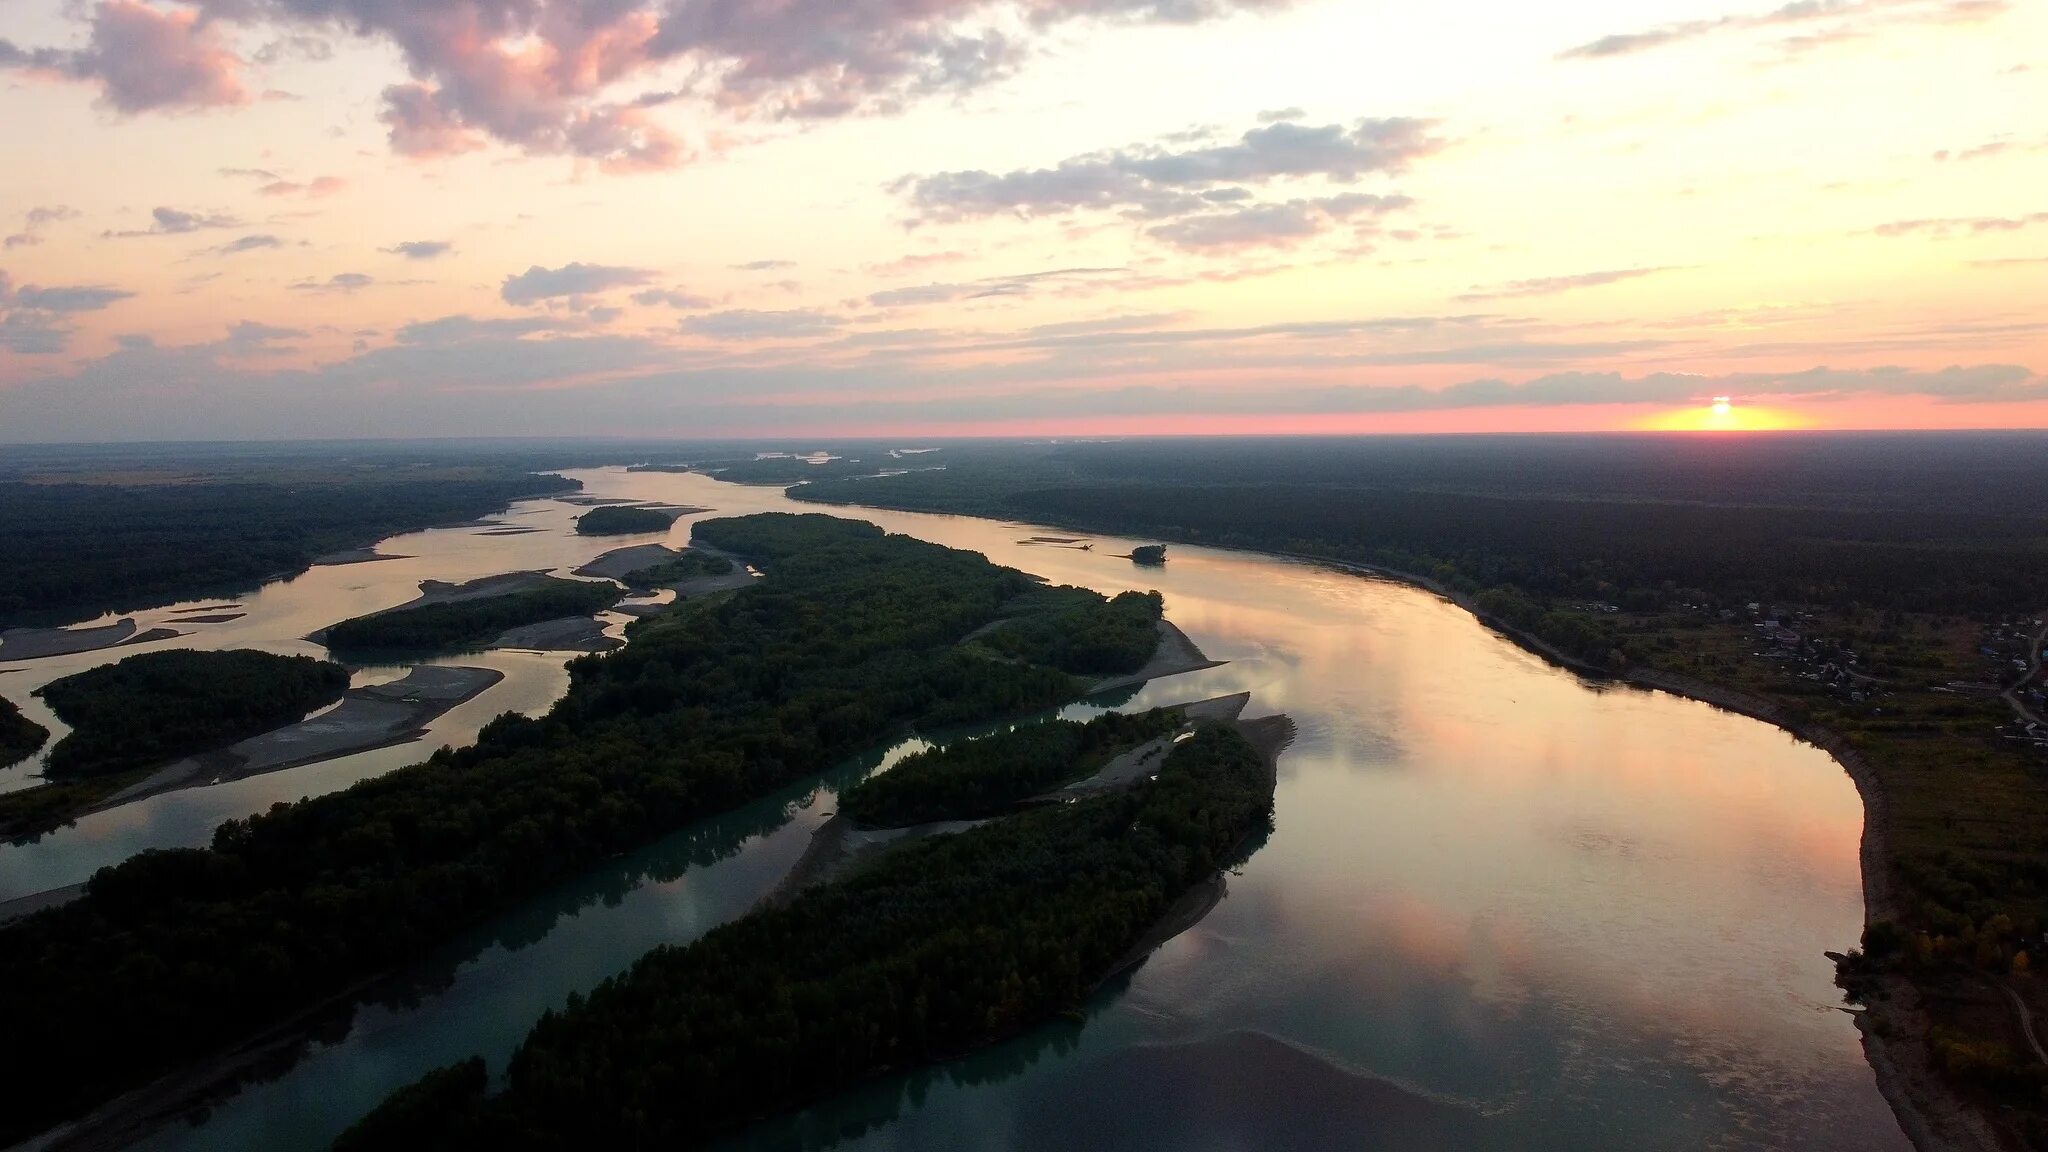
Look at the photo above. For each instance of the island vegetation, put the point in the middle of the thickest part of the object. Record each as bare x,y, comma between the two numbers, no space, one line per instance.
971,779
468,624
1079,633
121,540
937,947
853,637
613,520
20,737
691,565
156,707
1879,595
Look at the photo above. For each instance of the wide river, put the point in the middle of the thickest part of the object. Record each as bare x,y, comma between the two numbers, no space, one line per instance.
1501,907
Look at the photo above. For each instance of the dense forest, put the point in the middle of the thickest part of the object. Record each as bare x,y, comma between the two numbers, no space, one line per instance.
691,565
853,636
623,521
1089,639
156,707
936,947
970,779
20,737
70,551
465,624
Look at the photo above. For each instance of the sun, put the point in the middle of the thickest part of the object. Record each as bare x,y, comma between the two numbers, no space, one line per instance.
1722,414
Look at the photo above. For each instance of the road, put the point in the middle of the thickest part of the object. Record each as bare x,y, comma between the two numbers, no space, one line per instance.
2026,1022
2012,696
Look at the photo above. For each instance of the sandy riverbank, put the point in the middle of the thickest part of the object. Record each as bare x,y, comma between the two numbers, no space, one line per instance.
568,634
1174,655
39,643
373,717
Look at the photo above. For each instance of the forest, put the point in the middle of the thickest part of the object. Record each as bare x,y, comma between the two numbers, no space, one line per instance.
71,551
1088,639
691,565
20,737
853,637
970,779
618,521
937,947
469,624
157,707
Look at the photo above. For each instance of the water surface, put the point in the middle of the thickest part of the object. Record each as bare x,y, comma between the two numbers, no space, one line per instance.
1500,908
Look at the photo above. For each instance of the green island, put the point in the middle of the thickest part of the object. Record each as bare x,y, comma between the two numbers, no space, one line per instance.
150,709
691,565
1844,591
936,947
970,779
467,624
75,544
623,521
1073,631
853,637
20,737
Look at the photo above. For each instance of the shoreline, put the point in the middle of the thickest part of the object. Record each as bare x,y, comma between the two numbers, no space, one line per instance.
1932,1116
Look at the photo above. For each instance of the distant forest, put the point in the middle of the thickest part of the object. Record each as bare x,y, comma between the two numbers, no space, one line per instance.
852,637
156,707
70,551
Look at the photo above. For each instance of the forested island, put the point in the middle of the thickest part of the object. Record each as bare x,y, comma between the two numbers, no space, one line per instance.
155,707
691,565
971,779
20,737
136,537
1074,631
1878,595
457,625
623,521
852,637
934,948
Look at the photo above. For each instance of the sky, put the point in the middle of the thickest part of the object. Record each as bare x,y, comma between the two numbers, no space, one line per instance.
229,219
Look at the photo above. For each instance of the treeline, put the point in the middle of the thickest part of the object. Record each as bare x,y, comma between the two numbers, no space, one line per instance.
616,521
72,551
159,706
470,623
20,737
936,947
691,565
853,636
970,779
1640,554
1089,639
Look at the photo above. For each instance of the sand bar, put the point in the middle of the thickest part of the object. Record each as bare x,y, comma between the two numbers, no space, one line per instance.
38,643
568,634
1176,654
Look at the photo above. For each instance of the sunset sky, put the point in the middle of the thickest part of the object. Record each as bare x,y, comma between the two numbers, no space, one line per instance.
325,218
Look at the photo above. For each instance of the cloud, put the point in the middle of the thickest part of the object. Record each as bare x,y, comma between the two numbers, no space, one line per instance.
1945,227
1151,181
249,337
1798,13
457,330
339,283
177,222
764,266
144,59
747,324
1272,225
251,243
1552,285
420,249
679,300
35,222
537,284
1013,285
315,189
32,318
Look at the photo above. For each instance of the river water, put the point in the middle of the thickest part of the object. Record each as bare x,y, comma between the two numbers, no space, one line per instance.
1499,908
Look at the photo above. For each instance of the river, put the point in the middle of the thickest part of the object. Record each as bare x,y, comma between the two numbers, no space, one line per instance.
1500,907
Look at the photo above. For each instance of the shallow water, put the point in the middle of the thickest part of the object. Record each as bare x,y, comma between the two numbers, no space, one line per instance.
1500,907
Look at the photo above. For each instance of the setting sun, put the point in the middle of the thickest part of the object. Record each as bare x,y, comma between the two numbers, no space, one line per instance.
1723,414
